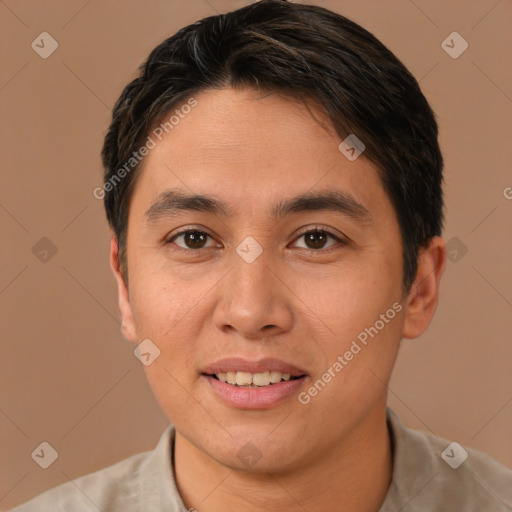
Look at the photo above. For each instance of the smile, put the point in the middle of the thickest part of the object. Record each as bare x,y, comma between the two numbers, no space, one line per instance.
246,379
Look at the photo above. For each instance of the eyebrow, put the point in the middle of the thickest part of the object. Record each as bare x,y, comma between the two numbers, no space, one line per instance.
173,202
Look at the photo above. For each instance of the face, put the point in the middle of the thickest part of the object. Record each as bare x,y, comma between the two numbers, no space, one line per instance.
262,277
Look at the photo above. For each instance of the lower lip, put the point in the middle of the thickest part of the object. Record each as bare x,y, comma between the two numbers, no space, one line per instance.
264,397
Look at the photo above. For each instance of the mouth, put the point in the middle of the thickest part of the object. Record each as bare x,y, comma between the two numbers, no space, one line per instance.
253,380
253,384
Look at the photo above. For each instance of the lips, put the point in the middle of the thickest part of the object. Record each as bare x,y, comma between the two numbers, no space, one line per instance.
240,365
244,384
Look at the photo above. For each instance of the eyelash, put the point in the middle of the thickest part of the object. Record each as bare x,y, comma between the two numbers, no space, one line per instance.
315,230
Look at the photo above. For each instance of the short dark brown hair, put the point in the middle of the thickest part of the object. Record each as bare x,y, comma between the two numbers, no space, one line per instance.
309,53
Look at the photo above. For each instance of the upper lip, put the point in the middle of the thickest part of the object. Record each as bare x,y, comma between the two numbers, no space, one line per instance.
238,364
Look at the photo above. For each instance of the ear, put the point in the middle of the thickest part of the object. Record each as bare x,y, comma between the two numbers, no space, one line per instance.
127,322
422,298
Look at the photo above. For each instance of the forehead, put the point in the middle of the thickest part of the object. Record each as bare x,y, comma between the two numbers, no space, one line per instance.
249,147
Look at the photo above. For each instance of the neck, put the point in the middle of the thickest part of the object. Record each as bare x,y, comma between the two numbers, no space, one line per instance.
354,475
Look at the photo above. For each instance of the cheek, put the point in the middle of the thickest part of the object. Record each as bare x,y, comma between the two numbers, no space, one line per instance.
161,303
171,313
350,299
167,313
359,319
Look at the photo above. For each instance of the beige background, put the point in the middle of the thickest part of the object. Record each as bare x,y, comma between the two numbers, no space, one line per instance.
67,375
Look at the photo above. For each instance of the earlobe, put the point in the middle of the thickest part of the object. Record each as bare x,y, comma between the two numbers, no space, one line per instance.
127,323
422,299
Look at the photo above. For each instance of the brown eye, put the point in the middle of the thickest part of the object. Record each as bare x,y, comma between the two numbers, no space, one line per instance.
316,239
192,239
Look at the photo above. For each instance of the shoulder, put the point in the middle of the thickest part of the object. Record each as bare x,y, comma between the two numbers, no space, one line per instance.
95,491
126,486
433,473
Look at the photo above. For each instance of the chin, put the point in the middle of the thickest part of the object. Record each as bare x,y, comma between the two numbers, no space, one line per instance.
255,454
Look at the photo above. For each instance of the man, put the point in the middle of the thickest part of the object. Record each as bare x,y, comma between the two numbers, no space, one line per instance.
273,183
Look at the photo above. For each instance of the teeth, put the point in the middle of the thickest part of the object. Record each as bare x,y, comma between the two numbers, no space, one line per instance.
243,378
275,377
252,379
261,379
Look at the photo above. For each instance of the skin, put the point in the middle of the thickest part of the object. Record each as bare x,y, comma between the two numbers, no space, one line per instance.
251,150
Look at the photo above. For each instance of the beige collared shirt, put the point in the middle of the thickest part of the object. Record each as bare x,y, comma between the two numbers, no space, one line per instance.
430,474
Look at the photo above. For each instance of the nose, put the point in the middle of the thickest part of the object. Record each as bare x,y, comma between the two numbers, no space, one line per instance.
253,301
